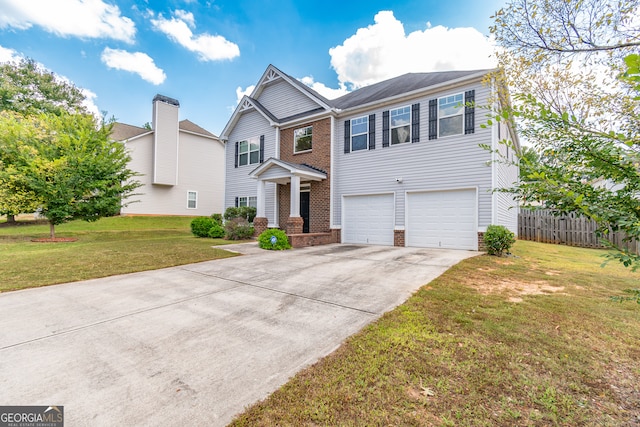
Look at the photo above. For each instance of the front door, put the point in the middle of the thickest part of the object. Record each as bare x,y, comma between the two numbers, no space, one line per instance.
304,210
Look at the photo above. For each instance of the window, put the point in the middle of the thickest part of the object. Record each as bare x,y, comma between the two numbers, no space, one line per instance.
251,201
400,125
192,199
302,139
451,115
249,152
359,131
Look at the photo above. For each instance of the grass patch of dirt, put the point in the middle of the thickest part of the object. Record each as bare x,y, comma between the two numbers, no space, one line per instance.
460,352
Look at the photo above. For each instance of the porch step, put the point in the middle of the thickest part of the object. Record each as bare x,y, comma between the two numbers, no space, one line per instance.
311,239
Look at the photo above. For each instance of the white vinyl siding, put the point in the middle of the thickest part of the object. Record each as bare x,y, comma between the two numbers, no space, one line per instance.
442,219
165,140
506,174
283,100
250,125
453,162
201,169
368,219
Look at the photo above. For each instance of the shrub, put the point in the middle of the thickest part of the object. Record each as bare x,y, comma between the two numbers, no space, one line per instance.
200,226
238,229
217,218
279,242
216,231
498,239
246,212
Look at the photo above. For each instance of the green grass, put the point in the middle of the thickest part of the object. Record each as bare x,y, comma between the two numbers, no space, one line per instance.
106,247
463,352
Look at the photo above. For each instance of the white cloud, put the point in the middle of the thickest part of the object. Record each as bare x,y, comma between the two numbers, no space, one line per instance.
208,47
383,50
9,55
135,62
324,90
242,92
89,102
78,18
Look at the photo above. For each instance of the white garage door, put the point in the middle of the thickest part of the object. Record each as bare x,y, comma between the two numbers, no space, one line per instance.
442,219
368,219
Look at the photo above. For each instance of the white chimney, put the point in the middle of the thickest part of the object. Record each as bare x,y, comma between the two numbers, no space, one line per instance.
165,140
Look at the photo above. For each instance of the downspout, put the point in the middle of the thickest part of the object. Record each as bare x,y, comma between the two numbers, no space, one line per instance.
332,171
276,205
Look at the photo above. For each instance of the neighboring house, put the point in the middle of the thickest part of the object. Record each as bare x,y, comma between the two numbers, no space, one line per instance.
181,164
394,163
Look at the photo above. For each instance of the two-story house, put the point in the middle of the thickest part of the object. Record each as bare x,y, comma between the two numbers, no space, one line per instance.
181,165
394,163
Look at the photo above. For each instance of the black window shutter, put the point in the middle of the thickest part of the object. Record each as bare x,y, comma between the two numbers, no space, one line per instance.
236,202
385,128
469,112
415,123
261,148
347,136
236,161
372,131
433,118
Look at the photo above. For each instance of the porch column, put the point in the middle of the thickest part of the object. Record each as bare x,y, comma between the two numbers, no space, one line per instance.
295,196
261,201
260,222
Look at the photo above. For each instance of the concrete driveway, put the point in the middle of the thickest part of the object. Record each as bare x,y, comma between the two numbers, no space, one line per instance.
194,345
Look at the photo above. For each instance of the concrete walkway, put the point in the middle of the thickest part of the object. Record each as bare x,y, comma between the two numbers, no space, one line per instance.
195,344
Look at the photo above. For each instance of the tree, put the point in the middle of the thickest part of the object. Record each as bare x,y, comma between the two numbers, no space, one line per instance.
66,165
573,77
28,89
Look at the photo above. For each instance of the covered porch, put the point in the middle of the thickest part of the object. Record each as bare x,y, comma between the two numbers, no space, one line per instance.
299,179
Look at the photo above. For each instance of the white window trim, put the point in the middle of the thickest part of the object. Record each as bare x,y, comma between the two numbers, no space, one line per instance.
189,199
256,141
247,200
391,127
294,140
458,113
366,132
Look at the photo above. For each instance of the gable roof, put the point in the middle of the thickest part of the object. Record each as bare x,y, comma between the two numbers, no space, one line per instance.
403,84
122,131
272,73
189,126
288,169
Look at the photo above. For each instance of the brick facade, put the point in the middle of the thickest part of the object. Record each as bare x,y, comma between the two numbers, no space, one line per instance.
481,246
260,225
318,157
398,238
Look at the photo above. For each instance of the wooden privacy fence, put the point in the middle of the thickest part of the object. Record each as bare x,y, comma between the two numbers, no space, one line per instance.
567,229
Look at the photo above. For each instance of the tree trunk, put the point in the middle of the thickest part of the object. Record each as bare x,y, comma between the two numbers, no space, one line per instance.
52,230
11,219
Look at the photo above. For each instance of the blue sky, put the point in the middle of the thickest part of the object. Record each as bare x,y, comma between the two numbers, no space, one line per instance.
207,54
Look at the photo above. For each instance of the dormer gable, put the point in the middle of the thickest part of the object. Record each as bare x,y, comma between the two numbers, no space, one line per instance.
273,76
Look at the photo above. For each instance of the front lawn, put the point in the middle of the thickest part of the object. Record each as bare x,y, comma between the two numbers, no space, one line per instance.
530,340
106,247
